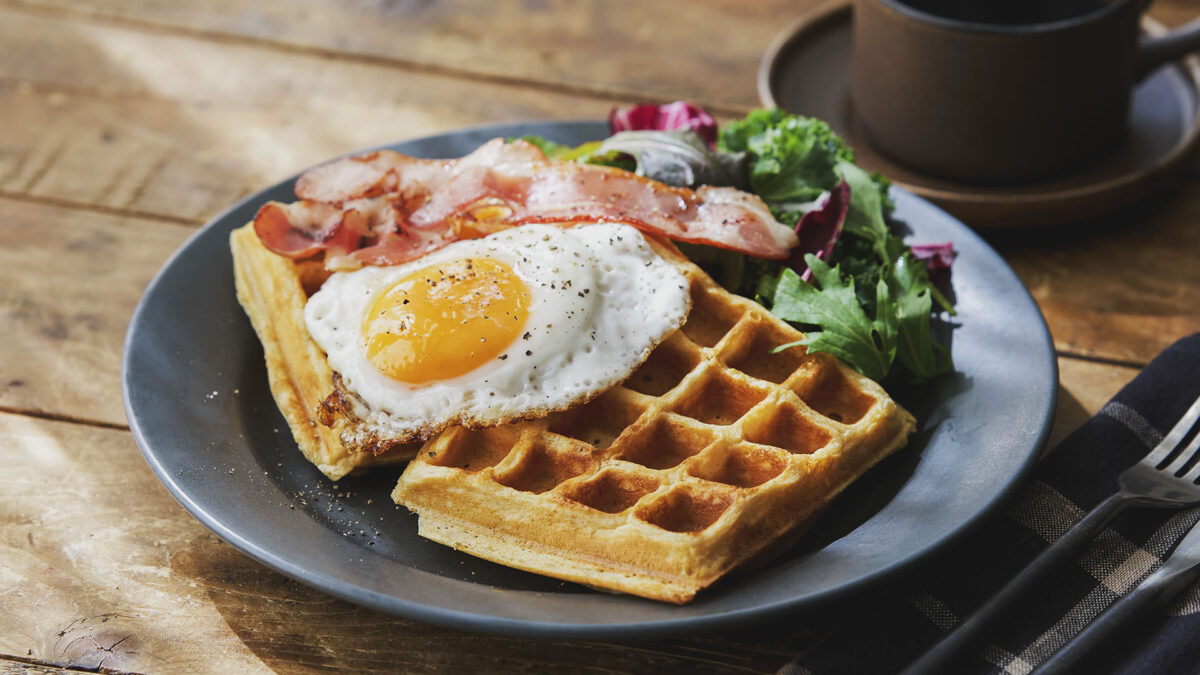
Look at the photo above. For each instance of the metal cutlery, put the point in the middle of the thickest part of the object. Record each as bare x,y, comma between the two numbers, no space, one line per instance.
1166,478
1177,572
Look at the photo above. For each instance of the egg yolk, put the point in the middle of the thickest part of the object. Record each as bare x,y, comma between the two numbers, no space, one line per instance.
445,320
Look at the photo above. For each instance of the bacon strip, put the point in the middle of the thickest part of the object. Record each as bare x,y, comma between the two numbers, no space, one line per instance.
304,228
407,207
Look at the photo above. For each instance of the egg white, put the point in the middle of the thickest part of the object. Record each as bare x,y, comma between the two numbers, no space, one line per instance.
601,299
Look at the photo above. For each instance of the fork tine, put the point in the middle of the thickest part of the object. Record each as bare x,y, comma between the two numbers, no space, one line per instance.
1175,435
1182,457
1192,448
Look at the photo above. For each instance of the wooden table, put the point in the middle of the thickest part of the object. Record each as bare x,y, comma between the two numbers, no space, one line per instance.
124,125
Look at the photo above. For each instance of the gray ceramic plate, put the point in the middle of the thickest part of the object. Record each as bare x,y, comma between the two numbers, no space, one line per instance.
197,400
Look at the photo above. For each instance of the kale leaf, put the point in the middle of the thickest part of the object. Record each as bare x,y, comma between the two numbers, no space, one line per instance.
793,157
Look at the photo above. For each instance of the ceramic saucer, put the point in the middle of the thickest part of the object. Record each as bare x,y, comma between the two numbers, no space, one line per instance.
806,70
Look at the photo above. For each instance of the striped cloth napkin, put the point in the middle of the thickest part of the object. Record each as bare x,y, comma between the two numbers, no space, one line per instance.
909,615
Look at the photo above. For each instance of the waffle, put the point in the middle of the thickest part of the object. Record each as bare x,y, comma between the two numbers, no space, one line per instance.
709,453
273,289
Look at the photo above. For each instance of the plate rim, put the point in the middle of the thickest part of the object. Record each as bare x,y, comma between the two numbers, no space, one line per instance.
526,628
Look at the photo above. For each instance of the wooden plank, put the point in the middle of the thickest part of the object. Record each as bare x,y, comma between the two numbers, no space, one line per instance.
86,546
182,127
706,51
1084,388
16,666
100,568
69,281
1121,288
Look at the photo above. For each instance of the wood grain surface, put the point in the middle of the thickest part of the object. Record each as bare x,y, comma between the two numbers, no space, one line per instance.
651,50
705,51
65,307
182,128
126,124
181,148
1119,288
101,569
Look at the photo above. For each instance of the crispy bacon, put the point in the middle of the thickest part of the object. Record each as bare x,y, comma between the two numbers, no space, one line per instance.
302,229
405,207
402,245
350,178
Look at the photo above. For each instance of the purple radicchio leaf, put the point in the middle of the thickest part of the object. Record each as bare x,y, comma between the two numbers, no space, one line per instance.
935,256
677,115
820,229
937,259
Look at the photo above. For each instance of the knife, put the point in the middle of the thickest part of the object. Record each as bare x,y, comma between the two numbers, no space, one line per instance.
1177,572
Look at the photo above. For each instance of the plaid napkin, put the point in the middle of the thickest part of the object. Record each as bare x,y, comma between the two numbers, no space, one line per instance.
911,614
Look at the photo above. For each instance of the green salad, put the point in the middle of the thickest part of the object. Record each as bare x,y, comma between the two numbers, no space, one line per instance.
853,286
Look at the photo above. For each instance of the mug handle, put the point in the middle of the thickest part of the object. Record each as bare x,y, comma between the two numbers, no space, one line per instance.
1155,51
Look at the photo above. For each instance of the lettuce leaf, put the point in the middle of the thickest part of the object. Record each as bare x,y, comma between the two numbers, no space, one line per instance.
864,296
837,323
873,307
918,353
587,153
792,156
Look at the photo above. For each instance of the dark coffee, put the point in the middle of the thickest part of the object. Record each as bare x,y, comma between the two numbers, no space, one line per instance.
1007,12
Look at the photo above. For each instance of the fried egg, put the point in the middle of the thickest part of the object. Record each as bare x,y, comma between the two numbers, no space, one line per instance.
511,326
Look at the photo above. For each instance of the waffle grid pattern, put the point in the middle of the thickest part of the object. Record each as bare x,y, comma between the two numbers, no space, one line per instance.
712,449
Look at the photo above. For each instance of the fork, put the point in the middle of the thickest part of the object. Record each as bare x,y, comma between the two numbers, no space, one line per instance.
1164,478
1177,572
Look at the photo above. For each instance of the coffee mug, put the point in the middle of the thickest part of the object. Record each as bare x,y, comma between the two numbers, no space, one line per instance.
1001,92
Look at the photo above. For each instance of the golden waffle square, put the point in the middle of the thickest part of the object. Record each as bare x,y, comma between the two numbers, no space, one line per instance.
710,452
273,289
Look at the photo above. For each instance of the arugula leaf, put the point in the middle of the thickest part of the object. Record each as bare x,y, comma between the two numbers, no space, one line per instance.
726,267
918,353
888,287
869,303
841,326
865,218
764,291
910,293
855,257
738,273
